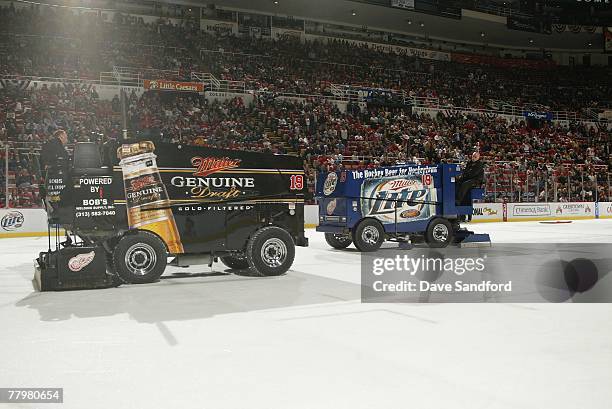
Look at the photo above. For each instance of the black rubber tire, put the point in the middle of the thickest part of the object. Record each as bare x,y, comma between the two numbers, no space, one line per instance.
263,237
151,244
437,237
236,262
359,235
338,243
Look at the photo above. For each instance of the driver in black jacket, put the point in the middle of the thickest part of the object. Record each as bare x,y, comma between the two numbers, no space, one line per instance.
472,176
53,158
53,153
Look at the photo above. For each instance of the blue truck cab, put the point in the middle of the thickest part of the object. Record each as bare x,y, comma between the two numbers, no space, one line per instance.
404,203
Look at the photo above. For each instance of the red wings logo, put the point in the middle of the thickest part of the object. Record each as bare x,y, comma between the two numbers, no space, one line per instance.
209,165
80,261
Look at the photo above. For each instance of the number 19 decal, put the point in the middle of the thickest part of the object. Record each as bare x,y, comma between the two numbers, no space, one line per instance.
426,179
297,182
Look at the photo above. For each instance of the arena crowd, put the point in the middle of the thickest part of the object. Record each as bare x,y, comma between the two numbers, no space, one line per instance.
551,162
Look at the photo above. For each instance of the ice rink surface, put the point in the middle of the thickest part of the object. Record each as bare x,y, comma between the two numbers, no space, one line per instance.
216,340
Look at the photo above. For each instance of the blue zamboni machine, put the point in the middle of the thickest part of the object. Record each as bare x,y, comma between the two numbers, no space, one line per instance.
404,203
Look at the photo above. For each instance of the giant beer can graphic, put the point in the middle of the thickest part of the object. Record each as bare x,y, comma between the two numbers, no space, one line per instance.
397,199
147,203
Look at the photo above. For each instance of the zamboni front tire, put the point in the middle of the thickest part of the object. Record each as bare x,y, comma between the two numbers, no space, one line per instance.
368,235
270,251
140,258
338,241
439,233
236,262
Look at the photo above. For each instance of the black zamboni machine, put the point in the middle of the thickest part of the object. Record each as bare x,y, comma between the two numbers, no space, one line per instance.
124,217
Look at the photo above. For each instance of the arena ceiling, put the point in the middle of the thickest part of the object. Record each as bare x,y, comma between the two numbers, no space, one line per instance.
469,29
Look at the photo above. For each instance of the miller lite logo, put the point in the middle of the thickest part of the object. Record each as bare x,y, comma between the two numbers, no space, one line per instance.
399,199
210,165
80,261
12,221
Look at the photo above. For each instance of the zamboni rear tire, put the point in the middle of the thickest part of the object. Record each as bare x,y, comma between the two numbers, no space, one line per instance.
368,235
439,233
140,258
236,262
338,241
270,251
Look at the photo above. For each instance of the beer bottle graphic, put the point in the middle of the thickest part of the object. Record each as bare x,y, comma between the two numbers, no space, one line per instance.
147,203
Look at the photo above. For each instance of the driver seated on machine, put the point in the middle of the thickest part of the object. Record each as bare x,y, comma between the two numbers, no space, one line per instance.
53,158
53,153
471,177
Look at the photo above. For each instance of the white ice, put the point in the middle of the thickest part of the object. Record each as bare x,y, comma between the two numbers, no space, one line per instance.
302,340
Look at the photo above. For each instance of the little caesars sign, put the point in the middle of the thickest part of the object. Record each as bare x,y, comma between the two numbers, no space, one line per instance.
163,85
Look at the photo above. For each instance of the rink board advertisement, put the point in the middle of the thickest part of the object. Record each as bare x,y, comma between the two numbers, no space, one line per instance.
22,222
551,211
604,210
488,212
391,195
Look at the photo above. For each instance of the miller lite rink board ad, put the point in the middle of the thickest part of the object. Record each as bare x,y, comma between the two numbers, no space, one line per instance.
392,195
